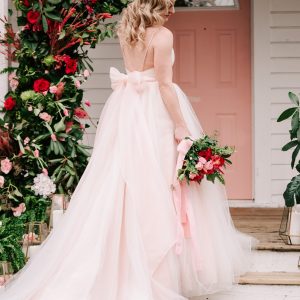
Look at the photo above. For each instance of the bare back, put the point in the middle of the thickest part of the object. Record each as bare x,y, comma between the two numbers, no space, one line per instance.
141,56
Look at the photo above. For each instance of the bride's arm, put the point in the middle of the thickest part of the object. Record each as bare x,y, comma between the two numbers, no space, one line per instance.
164,74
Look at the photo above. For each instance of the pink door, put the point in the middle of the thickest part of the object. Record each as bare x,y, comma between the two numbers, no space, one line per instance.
213,67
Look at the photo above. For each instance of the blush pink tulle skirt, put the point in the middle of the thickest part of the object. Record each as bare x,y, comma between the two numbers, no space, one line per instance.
117,239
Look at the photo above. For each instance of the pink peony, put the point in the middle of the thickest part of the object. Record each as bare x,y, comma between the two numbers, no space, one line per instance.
53,89
2,181
6,165
208,166
201,162
17,211
26,140
53,137
45,116
66,112
87,103
77,84
86,73
36,153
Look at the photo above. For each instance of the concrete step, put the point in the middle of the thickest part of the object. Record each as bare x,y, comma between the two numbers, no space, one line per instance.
273,261
280,247
271,278
256,292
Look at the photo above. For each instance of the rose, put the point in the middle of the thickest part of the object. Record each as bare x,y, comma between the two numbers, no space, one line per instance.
2,181
71,65
218,161
33,16
9,103
41,85
80,113
45,116
53,89
26,3
6,165
17,211
201,162
86,73
205,153
209,167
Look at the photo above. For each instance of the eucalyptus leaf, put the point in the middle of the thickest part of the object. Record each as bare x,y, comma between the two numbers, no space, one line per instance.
294,98
286,114
289,145
294,155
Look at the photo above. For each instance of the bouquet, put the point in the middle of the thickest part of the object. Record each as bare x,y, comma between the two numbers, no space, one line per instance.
205,158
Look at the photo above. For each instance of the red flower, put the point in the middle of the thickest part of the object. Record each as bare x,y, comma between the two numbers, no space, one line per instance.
106,15
9,103
206,154
26,3
41,85
218,161
71,65
33,16
89,9
80,113
94,1
198,177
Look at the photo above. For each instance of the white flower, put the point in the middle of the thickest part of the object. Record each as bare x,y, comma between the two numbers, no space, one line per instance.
43,185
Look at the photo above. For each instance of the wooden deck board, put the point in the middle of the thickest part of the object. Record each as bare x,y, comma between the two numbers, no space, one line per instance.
271,278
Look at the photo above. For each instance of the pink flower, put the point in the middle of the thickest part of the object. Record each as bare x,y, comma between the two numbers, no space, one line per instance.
30,108
53,89
45,93
82,126
30,237
208,166
53,137
2,181
87,103
17,211
201,162
6,165
26,140
86,73
66,112
36,153
45,172
45,116
77,84
192,175
13,81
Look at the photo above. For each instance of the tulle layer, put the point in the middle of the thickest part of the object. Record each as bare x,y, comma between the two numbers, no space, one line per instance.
117,239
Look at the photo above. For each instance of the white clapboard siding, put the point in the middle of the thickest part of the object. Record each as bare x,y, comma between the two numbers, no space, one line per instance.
97,88
284,77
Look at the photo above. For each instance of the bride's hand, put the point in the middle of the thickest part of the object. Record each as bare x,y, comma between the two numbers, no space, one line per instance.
180,133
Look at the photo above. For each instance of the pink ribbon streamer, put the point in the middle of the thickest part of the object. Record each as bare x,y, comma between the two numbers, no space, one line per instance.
186,226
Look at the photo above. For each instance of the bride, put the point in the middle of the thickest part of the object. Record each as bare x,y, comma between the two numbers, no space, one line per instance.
121,236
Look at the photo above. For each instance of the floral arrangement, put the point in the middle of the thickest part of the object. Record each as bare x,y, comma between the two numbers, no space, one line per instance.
291,194
44,112
205,158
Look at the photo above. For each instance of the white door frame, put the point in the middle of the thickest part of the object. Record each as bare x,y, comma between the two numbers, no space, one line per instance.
3,61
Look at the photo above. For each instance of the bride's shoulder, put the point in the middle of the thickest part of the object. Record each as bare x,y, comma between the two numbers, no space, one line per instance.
164,35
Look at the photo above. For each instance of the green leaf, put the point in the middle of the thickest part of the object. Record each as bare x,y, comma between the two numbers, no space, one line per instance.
70,181
53,16
294,98
295,121
54,1
294,155
49,8
62,34
286,114
60,126
292,192
289,145
298,166
45,24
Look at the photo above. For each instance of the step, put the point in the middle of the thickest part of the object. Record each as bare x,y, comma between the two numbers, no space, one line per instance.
256,292
271,278
280,247
274,261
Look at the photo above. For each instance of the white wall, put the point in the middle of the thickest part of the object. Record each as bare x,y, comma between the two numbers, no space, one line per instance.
3,61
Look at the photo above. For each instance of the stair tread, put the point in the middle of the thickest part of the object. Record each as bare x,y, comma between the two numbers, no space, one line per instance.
277,247
270,278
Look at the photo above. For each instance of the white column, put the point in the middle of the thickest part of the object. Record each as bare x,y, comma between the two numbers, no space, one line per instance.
261,101
3,61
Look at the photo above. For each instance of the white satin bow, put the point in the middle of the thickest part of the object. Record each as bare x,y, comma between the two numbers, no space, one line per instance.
136,79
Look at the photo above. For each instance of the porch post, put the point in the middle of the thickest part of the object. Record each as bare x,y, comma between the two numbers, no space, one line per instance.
262,102
3,61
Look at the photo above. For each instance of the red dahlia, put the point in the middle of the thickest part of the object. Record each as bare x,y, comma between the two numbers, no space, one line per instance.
41,85
9,103
33,16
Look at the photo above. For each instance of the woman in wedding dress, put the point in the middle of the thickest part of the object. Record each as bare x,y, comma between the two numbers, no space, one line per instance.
121,237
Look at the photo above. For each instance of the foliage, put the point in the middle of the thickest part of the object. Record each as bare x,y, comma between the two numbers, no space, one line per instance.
205,158
44,112
292,192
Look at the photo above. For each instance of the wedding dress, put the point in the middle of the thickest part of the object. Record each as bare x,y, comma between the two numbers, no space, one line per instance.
117,240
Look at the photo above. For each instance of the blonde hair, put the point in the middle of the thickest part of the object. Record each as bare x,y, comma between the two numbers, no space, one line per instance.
139,15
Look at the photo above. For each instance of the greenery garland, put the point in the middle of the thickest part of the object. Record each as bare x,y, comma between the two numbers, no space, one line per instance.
41,132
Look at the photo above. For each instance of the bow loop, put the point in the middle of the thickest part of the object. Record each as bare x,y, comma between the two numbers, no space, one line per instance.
135,79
